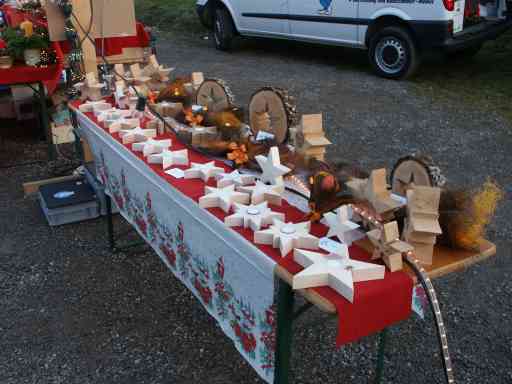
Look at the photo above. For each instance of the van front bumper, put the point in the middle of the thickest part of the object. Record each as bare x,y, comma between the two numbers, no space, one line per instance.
437,35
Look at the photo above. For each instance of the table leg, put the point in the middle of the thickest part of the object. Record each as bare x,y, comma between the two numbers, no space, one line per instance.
45,120
285,301
110,223
380,357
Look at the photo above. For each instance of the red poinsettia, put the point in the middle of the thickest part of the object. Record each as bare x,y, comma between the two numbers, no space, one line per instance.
3,44
248,342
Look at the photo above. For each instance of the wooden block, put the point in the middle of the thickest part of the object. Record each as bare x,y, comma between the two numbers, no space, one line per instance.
113,18
401,246
390,232
33,187
424,199
56,22
357,187
197,79
424,253
312,124
377,185
82,16
393,261
135,70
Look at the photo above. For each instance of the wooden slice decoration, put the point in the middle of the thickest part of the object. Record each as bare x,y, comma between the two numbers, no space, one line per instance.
214,94
415,170
272,110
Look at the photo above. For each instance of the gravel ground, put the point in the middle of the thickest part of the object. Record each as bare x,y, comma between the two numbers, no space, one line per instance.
74,313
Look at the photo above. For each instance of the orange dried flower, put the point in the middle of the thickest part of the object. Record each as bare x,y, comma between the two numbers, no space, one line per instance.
238,153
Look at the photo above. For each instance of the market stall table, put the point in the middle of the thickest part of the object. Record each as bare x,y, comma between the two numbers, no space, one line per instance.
231,276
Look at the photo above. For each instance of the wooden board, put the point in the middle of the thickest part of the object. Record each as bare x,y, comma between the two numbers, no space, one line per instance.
446,261
82,11
130,55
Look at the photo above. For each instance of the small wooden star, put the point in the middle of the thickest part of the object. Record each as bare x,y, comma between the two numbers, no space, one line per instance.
136,135
287,236
252,216
222,198
235,177
339,224
263,192
203,171
169,158
151,146
122,124
335,270
272,169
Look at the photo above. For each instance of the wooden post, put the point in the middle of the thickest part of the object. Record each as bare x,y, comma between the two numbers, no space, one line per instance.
82,12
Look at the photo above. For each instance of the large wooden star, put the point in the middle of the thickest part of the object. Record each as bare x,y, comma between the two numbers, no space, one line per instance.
169,158
151,146
263,192
136,135
203,171
272,169
339,224
235,177
287,236
252,216
335,270
222,198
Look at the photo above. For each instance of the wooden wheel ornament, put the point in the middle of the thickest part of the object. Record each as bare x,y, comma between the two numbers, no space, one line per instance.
214,94
415,170
272,110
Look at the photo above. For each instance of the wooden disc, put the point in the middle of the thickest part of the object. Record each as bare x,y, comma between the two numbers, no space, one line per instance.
215,95
268,111
410,171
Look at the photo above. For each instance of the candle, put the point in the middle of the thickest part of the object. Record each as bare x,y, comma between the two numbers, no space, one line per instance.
28,28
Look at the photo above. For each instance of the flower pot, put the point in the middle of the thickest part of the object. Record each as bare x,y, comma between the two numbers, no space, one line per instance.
32,57
5,62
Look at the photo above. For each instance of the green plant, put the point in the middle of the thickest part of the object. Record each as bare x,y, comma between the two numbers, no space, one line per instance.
17,42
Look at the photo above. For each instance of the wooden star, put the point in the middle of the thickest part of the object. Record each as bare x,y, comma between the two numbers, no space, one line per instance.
339,224
136,135
335,270
203,171
169,158
92,106
151,146
272,169
122,124
222,198
235,177
287,236
263,192
252,216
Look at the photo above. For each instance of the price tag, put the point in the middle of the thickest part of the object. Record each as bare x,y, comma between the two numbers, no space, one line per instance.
176,173
262,135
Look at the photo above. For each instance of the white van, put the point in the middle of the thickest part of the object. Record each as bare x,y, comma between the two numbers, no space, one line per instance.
395,32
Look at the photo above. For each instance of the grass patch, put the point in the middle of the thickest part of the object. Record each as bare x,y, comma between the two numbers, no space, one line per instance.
483,82
169,15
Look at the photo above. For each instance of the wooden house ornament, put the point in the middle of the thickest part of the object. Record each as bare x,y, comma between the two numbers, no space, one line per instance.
422,223
310,138
388,246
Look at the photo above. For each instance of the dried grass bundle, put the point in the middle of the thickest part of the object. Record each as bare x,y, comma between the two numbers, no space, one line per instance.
465,215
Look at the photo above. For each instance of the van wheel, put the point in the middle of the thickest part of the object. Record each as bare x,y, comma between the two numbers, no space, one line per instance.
393,53
223,29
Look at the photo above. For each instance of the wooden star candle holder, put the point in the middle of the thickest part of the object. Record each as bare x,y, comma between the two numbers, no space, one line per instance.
223,198
335,270
287,236
252,216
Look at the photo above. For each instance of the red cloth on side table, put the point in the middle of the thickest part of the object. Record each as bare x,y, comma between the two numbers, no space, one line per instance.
377,304
23,74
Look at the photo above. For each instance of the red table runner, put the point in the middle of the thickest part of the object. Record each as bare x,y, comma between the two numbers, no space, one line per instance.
377,304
